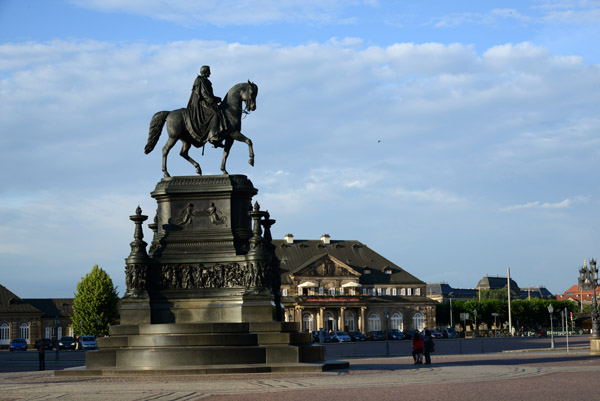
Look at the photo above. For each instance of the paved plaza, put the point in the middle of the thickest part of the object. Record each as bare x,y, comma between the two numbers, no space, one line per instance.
540,374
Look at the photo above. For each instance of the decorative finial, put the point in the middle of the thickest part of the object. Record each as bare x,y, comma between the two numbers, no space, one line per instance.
138,210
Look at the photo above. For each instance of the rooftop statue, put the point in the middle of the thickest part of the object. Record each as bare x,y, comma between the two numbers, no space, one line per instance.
207,118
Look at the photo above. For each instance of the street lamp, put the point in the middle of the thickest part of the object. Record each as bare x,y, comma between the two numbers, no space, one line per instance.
594,280
387,333
551,310
450,296
475,331
57,322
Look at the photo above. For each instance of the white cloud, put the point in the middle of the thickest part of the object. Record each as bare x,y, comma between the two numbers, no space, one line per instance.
539,205
231,12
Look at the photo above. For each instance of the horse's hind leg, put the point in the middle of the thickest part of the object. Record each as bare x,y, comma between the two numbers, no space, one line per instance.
185,148
165,151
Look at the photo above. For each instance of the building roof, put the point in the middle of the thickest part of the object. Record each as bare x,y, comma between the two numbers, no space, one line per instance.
353,255
446,291
52,307
494,283
10,303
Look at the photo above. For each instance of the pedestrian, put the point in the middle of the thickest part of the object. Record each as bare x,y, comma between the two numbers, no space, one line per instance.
428,347
41,347
417,353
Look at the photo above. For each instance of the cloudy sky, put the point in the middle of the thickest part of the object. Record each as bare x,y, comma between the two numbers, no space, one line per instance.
455,138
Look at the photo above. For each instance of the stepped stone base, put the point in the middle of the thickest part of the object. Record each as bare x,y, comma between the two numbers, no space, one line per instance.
204,348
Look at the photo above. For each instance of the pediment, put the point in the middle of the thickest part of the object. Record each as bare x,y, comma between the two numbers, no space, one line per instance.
325,266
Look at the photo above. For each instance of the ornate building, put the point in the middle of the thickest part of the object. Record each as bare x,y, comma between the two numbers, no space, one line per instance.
345,285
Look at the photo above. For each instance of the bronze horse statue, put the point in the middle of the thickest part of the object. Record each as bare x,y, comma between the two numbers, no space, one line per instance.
231,106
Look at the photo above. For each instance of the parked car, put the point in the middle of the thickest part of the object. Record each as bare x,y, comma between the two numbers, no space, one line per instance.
87,343
47,341
18,344
376,335
395,334
341,336
67,342
447,332
408,334
435,334
357,336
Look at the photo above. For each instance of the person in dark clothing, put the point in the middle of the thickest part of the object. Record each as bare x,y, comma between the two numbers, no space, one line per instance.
41,347
427,347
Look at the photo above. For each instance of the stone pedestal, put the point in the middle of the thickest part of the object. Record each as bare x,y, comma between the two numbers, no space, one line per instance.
204,297
595,346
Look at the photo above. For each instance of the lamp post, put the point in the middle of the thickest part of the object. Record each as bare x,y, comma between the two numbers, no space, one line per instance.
594,280
387,333
551,310
475,330
450,296
56,322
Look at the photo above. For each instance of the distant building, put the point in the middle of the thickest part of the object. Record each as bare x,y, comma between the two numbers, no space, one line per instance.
33,318
345,285
442,292
582,293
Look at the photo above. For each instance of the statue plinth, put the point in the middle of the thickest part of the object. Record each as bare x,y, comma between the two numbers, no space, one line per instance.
206,293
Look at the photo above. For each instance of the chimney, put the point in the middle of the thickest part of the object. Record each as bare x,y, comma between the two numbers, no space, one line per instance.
289,238
326,239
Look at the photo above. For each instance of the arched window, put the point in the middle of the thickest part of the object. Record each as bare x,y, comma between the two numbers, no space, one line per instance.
308,322
24,331
418,321
330,322
397,322
4,333
349,321
374,322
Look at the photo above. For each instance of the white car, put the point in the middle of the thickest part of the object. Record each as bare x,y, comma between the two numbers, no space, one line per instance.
341,336
87,342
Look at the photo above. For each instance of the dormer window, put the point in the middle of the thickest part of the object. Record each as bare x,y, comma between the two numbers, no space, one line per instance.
387,270
367,271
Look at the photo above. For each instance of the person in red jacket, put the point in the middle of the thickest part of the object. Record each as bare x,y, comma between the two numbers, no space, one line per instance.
417,353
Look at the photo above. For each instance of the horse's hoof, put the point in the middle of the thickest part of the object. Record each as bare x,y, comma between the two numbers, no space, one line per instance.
251,162
198,171
167,175
225,172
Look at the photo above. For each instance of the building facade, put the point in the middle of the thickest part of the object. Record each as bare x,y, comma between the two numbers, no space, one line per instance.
345,285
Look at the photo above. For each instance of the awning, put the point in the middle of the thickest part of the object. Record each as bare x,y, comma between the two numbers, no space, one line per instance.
351,284
307,284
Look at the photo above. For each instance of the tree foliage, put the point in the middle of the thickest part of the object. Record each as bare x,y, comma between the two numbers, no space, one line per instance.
527,313
95,306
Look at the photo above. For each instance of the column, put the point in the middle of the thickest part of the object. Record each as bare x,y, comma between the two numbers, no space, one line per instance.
363,326
342,319
320,320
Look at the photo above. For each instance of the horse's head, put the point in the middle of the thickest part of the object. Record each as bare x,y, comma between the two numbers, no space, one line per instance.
249,93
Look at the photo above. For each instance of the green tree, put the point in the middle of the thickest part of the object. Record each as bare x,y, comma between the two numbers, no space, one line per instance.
498,293
95,306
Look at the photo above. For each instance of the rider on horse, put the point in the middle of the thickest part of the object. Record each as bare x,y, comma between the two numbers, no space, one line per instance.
203,118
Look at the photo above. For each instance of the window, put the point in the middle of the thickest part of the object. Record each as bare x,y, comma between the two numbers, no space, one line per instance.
24,331
341,290
285,292
417,291
373,291
388,291
332,291
394,291
367,271
321,291
403,291
387,270
418,321
374,322
364,291
409,291
397,322
307,322
48,332
4,333
379,291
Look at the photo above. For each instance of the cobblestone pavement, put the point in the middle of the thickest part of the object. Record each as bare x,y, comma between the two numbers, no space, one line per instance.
501,376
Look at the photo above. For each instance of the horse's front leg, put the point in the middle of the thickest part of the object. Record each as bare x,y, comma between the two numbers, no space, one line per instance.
226,150
185,148
238,136
165,152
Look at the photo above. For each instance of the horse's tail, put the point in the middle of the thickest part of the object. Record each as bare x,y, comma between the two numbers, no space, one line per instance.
156,126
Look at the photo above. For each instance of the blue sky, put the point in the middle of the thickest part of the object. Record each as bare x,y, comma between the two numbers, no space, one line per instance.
455,138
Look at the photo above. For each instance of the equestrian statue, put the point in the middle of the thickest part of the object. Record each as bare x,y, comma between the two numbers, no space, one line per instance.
207,118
